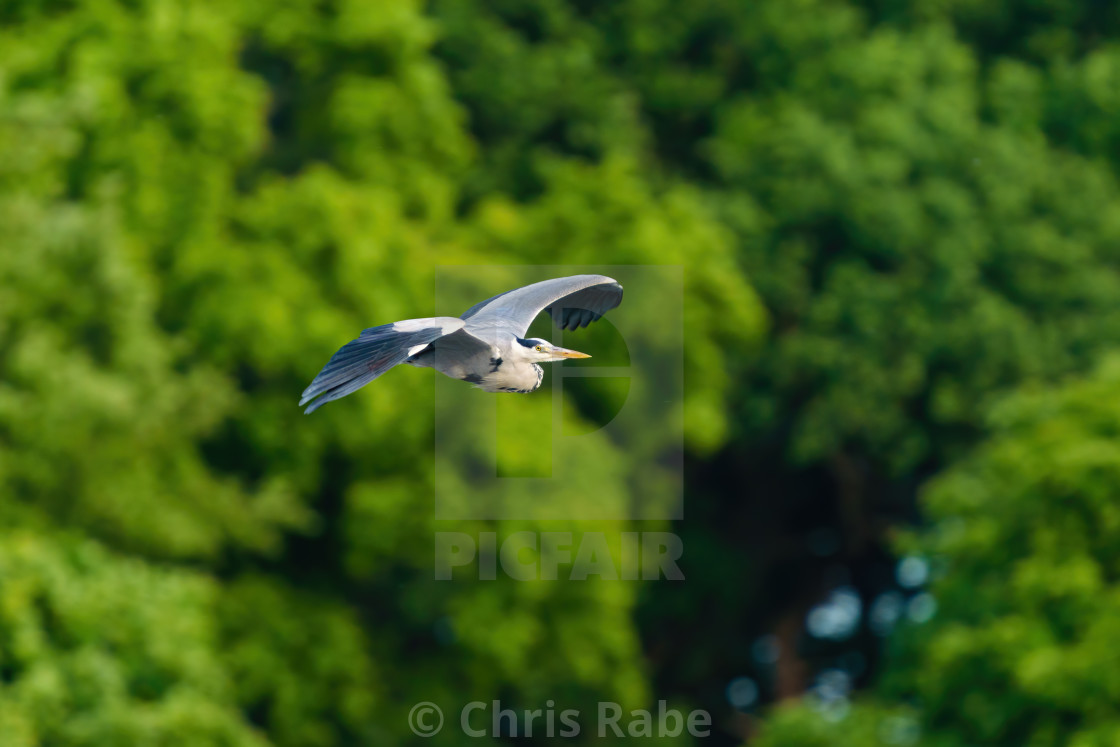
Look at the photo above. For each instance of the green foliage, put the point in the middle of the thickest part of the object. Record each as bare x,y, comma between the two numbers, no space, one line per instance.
89,377
868,725
97,649
301,664
1028,527
1021,649
916,258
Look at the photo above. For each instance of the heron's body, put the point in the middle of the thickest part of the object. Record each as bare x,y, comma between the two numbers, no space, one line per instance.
488,370
485,346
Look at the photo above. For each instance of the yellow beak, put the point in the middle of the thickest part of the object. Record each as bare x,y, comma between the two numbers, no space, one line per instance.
565,353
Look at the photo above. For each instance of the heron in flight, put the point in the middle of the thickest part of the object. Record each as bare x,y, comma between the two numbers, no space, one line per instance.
486,346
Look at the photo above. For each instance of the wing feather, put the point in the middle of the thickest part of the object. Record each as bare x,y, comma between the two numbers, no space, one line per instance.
572,302
378,349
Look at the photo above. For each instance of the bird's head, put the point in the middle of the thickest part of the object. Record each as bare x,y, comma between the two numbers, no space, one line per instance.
543,351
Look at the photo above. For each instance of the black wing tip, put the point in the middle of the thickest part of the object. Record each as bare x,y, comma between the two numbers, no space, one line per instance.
313,401
316,404
576,317
309,400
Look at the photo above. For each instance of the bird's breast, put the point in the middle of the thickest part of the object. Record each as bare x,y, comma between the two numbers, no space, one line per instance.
511,377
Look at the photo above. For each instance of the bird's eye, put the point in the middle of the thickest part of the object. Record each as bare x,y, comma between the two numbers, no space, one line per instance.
539,348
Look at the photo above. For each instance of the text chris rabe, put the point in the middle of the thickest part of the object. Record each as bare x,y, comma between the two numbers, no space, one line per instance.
479,719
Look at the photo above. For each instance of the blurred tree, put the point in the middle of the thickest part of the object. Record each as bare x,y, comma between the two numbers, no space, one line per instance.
201,200
1022,538
97,649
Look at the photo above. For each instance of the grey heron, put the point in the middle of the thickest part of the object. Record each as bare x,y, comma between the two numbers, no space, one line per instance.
486,346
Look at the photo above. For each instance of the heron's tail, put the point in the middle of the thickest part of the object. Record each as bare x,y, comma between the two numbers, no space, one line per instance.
360,361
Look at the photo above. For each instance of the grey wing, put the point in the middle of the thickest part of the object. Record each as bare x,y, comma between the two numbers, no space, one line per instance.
461,355
378,349
572,302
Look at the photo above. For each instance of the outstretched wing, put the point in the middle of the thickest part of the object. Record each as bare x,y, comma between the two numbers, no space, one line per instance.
572,302
378,349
